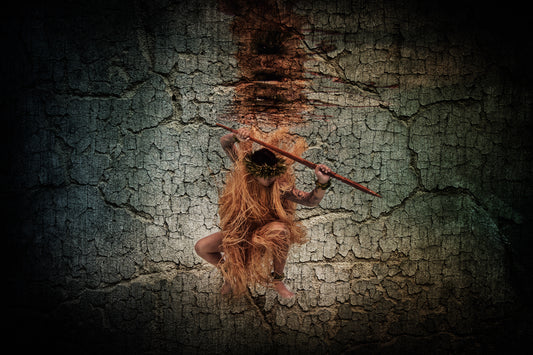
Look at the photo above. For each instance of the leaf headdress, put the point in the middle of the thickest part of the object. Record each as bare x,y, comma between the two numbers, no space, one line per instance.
265,170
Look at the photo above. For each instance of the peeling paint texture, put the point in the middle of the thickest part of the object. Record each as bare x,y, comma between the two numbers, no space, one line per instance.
113,167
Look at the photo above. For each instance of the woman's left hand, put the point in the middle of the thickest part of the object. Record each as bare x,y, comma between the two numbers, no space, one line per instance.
321,172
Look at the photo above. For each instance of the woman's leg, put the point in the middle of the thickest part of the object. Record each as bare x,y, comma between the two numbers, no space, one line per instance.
210,249
279,263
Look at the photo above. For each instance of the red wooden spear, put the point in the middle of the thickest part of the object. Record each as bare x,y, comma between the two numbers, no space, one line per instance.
306,163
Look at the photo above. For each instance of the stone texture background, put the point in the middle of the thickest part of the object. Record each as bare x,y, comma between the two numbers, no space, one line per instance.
112,168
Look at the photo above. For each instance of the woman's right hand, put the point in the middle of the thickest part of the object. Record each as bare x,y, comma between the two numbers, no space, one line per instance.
243,134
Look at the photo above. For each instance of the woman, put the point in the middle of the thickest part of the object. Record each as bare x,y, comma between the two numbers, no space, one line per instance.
256,212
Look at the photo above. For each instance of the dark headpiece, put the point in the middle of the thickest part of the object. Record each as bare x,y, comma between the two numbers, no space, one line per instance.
263,163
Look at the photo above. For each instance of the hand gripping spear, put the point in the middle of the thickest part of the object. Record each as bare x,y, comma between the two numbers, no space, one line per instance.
306,163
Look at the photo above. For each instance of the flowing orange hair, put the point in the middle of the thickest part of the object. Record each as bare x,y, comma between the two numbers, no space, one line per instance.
258,225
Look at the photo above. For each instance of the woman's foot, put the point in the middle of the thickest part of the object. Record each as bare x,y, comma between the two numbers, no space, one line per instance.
282,290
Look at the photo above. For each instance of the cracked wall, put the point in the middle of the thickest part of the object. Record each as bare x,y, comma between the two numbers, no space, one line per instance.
114,167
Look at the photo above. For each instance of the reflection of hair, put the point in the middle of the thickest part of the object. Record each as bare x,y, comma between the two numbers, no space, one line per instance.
257,224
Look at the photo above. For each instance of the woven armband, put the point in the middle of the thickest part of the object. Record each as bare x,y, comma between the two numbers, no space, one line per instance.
324,186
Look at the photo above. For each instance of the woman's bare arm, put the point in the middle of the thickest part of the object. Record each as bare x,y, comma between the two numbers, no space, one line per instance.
310,199
314,197
228,142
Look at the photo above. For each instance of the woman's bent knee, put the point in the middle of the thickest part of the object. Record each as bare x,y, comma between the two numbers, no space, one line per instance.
199,247
209,244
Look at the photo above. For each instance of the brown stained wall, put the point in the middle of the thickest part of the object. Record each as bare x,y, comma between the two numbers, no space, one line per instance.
113,166
270,60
